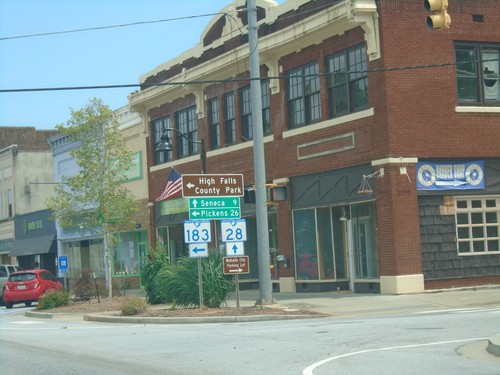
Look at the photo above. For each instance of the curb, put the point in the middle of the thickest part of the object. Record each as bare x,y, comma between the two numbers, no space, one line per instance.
494,345
39,315
193,320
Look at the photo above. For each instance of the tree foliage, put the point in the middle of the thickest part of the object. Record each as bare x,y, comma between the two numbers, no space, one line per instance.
94,197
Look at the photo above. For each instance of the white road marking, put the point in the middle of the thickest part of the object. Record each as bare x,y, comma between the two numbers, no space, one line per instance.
309,370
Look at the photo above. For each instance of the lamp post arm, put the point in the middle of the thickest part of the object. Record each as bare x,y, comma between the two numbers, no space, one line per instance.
201,142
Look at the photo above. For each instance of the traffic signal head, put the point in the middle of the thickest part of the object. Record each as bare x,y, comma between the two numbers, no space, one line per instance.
278,193
441,19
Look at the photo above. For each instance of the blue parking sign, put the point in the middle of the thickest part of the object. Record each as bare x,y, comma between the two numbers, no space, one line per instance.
63,263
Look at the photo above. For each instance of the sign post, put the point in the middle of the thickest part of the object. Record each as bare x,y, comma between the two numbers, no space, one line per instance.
63,268
197,235
236,266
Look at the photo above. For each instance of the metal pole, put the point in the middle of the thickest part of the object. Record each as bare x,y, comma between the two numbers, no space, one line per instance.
203,157
265,285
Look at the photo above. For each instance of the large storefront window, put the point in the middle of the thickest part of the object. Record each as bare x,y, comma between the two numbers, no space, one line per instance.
321,242
97,258
320,246
126,257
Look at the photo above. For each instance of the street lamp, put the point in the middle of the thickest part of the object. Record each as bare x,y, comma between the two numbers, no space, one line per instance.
166,145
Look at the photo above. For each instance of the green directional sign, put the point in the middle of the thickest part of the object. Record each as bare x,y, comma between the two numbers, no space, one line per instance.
214,208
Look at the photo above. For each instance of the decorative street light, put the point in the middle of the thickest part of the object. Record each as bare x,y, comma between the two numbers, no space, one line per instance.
166,145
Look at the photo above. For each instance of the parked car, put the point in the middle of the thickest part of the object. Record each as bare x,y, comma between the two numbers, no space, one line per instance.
28,286
5,271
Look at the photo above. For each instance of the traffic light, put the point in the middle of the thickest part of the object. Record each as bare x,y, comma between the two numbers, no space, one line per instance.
440,19
277,193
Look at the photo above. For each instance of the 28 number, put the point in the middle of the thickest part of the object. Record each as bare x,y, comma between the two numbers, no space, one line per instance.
238,234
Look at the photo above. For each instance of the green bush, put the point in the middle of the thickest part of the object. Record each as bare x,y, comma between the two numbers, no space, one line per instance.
134,306
53,299
179,283
157,262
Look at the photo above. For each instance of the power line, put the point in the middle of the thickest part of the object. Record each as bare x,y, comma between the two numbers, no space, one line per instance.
232,80
109,26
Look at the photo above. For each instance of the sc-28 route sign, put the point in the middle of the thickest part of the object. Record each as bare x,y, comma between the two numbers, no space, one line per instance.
212,185
234,230
214,208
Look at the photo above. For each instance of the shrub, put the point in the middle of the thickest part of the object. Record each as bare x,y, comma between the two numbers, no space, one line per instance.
53,299
179,283
134,306
157,262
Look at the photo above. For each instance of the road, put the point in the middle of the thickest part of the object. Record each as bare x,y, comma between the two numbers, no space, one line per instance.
415,343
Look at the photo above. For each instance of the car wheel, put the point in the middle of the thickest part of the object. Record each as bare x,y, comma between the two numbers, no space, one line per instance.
27,304
9,305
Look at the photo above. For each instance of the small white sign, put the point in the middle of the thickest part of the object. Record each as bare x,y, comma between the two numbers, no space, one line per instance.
197,231
235,249
234,230
198,250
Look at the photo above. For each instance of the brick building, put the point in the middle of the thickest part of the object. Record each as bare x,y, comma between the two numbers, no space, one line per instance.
386,134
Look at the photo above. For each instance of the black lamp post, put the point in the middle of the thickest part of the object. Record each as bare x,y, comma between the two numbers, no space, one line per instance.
166,145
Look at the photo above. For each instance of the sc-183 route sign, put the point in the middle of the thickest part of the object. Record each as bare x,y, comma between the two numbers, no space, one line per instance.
197,231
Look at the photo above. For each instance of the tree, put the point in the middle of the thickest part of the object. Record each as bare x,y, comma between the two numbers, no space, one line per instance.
95,196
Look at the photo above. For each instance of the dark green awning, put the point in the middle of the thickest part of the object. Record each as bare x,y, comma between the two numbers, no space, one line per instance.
34,246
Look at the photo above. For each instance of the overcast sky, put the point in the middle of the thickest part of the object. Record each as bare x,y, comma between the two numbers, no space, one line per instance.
113,56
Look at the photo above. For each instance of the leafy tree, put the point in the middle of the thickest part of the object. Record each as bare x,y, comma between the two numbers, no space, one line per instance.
94,197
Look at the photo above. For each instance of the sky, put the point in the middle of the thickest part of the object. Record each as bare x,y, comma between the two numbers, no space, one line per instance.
115,56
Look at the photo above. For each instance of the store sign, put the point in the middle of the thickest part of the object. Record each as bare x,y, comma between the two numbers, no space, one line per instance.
450,175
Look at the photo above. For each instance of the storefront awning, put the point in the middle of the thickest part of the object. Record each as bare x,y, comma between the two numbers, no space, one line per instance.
34,246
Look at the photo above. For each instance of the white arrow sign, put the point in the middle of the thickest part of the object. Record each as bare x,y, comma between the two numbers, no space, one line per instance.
198,250
235,248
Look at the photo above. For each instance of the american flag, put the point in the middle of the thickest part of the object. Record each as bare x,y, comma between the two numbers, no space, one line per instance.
173,187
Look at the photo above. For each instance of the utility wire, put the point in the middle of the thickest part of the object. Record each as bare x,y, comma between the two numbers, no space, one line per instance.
108,27
246,79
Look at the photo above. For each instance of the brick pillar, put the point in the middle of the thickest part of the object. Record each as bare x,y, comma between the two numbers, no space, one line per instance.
398,235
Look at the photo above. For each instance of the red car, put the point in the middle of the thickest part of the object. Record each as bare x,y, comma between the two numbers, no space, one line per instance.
28,286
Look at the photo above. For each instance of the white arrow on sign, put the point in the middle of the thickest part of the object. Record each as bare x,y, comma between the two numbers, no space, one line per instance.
235,248
237,270
198,250
190,185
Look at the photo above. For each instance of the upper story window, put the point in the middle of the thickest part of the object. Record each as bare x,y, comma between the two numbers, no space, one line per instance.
478,225
246,111
214,122
347,81
159,127
303,95
266,107
478,77
230,118
187,124
10,206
